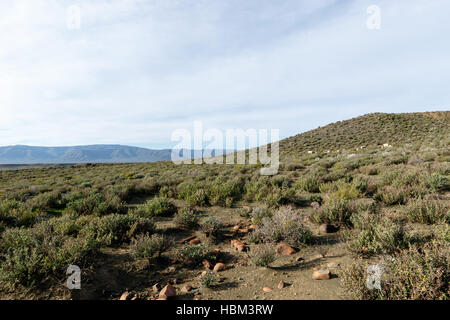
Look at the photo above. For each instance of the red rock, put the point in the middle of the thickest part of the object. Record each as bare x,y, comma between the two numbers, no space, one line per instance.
284,249
253,227
194,241
321,275
219,267
245,230
207,264
267,289
187,239
236,228
168,292
238,245
281,285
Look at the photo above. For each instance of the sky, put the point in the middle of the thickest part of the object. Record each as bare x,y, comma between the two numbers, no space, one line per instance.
133,71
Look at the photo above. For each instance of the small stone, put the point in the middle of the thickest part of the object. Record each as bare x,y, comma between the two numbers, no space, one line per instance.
315,204
236,228
253,227
281,285
126,296
267,289
321,275
238,245
168,291
245,230
156,288
194,241
219,267
327,228
284,249
208,265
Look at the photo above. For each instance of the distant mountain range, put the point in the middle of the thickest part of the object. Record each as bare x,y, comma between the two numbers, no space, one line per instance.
80,154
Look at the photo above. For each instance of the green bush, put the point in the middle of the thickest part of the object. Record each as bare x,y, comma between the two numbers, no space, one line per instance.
146,246
263,255
334,211
155,207
308,183
427,211
187,218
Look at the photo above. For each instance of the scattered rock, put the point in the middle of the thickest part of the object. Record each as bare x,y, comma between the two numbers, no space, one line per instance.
168,292
253,227
315,204
284,249
219,267
281,285
321,275
194,241
245,230
267,289
208,265
238,245
327,228
236,228
126,296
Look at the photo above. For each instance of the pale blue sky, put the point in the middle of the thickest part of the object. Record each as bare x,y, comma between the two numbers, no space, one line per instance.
137,70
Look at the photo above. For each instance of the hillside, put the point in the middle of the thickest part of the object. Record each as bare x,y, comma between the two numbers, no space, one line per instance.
373,129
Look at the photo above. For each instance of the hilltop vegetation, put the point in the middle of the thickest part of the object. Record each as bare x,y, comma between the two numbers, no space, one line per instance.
382,202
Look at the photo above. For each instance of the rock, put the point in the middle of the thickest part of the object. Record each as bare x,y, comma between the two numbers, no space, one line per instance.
156,288
194,241
327,228
245,230
208,265
187,239
281,285
253,227
238,245
321,275
298,259
315,204
236,228
267,289
219,267
126,296
168,292
216,251
284,249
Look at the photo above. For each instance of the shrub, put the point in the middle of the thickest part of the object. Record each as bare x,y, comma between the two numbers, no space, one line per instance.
155,207
334,211
438,182
263,255
308,183
286,226
95,204
29,255
146,246
186,218
110,230
259,213
390,195
192,255
211,226
427,211
413,274
207,280
376,235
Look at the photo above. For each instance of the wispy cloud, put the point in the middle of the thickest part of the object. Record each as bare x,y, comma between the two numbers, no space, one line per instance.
136,69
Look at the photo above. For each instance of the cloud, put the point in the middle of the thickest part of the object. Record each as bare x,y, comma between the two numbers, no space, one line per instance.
137,70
